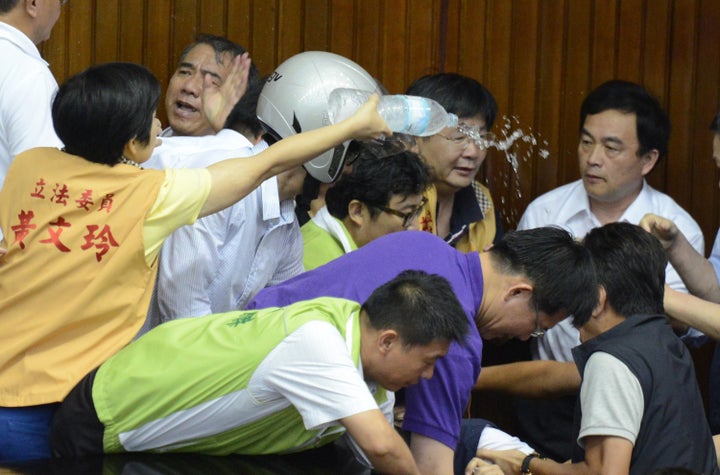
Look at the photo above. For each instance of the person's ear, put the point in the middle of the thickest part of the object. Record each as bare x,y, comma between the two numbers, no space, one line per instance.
386,340
31,7
131,149
519,289
602,303
649,160
356,212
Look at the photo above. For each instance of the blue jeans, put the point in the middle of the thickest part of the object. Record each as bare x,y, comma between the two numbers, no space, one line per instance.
24,432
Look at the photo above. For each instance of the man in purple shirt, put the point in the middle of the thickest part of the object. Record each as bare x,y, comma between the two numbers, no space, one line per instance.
527,282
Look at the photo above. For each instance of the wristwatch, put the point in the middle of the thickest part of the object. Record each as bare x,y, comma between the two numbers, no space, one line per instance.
525,467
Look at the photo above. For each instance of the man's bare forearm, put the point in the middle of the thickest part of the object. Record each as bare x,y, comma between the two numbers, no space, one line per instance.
531,379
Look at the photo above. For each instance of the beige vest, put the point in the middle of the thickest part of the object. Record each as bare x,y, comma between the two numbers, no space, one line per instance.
74,285
479,235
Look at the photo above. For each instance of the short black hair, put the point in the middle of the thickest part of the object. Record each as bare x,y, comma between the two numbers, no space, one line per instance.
461,95
559,268
99,110
374,181
653,123
421,307
221,46
630,264
7,5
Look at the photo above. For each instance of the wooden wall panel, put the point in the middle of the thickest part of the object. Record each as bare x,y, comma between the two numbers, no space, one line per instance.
630,37
342,27
106,21
159,48
539,58
393,60
522,82
422,55
576,83
678,103
550,97
703,181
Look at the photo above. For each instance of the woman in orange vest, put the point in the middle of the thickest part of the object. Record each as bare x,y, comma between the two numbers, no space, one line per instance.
83,227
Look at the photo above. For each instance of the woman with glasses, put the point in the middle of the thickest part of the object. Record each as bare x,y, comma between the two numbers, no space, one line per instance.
459,208
379,196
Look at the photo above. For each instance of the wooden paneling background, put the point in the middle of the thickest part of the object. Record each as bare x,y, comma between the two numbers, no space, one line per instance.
539,58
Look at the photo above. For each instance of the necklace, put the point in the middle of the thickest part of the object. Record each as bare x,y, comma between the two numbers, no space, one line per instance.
127,161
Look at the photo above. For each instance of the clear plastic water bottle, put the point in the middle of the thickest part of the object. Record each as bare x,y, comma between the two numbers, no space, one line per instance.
410,115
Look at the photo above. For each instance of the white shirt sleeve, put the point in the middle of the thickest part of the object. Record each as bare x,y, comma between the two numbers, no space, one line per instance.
30,123
313,369
189,261
611,399
291,263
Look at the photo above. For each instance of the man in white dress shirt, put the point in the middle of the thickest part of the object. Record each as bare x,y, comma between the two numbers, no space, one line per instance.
624,132
27,86
219,263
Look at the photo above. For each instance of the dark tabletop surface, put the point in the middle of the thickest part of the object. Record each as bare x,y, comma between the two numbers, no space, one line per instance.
325,461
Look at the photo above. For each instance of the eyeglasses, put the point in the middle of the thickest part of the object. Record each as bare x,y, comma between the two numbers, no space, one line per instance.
409,217
538,329
482,140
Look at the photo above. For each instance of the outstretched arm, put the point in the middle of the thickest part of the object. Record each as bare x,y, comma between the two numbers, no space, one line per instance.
696,272
234,179
693,311
383,446
531,379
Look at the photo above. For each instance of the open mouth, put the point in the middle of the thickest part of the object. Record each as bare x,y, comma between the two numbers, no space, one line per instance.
185,107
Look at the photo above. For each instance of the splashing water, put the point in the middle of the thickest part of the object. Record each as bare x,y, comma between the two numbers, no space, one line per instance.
514,143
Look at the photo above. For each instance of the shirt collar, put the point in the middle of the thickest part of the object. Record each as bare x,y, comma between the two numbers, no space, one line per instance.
640,206
20,39
577,202
465,209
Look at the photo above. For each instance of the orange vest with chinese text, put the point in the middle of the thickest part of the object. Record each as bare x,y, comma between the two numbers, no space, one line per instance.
74,285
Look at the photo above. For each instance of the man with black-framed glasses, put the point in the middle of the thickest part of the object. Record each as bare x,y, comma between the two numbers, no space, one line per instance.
379,196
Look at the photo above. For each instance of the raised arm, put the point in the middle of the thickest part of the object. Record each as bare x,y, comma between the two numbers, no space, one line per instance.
531,379
696,272
383,446
693,311
218,102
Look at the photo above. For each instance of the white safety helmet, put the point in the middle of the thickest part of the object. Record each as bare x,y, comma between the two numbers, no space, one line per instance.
295,99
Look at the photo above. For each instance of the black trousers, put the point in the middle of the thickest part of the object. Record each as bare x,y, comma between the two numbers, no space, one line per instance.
75,429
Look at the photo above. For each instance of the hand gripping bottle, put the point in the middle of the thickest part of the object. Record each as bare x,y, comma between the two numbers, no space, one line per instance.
410,115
